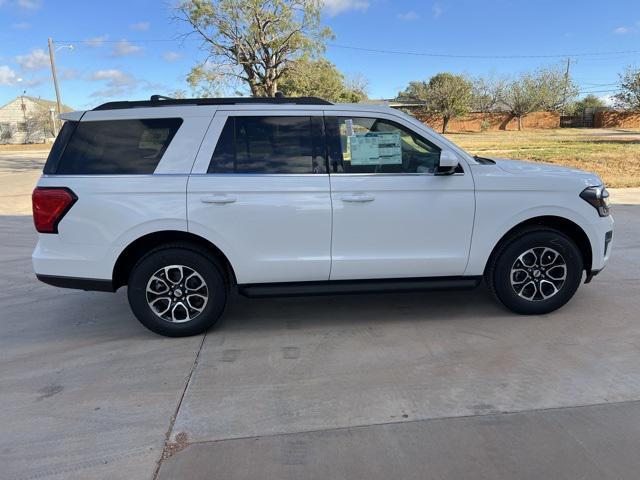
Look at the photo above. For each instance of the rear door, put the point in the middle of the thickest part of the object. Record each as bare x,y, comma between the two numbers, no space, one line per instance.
392,216
260,192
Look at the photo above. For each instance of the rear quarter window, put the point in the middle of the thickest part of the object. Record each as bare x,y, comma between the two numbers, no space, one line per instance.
115,147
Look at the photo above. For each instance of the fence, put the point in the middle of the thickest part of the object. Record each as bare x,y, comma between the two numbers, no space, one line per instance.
478,122
613,119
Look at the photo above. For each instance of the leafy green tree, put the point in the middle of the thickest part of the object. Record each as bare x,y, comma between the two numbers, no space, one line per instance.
416,90
252,41
320,78
590,101
445,94
629,95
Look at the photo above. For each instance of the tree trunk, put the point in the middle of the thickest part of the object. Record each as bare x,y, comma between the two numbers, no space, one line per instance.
445,124
519,124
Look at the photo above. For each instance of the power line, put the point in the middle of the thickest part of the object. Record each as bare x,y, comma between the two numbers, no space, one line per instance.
450,55
99,41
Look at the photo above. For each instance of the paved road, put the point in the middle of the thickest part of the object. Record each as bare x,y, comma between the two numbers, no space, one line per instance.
419,385
19,172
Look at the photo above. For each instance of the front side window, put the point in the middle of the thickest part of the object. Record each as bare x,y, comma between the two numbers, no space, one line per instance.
114,147
373,145
270,145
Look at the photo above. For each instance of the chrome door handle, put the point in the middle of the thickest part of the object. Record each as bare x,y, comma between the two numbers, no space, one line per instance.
218,199
357,197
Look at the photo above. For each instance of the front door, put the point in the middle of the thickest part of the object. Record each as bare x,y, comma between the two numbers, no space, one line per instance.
392,216
259,191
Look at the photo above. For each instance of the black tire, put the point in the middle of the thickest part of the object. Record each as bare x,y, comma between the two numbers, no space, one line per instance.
529,283
188,320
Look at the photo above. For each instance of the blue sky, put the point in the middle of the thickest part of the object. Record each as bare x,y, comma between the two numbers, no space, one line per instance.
128,49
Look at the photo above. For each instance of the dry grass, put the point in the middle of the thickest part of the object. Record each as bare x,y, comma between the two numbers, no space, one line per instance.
24,148
612,154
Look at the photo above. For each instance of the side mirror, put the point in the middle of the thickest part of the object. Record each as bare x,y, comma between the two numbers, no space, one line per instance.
448,163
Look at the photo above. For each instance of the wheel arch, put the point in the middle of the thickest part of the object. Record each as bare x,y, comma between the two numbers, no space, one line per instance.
564,225
139,247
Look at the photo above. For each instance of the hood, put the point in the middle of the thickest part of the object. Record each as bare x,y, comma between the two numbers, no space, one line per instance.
534,168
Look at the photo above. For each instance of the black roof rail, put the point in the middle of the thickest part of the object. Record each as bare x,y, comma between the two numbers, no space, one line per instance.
162,101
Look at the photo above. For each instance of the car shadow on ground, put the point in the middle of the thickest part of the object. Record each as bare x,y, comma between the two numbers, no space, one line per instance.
358,310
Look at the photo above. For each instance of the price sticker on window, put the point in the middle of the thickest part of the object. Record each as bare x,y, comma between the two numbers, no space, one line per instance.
348,124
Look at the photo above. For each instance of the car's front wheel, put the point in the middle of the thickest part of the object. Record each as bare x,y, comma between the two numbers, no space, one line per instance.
537,271
177,291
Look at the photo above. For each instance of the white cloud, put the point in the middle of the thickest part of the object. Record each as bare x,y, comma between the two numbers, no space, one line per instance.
22,25
30,4
436,10
622,30
68,74
124,48
117,83
335,7
140,26
96,41
7,76
171,56
35,60
114,77
408,16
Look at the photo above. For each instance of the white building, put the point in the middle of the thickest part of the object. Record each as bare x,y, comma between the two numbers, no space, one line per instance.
28,120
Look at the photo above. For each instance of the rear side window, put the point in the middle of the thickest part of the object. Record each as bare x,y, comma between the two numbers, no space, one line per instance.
116,147
270,145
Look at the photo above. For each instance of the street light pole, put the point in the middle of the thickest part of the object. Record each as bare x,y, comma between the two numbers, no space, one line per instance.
55,76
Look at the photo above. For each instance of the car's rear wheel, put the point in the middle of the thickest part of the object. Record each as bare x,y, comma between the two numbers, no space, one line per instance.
537,271
177,291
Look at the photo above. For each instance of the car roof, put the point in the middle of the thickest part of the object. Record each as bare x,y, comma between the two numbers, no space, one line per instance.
203,106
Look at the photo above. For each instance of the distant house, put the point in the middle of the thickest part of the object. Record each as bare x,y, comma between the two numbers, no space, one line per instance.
28,120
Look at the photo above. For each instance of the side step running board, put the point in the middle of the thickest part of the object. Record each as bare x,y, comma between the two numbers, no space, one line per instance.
337,287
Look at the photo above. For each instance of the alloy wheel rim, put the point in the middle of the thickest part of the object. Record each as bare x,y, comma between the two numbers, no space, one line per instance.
177,293
538,274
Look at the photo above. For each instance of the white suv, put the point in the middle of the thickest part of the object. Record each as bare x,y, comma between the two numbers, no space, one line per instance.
186,201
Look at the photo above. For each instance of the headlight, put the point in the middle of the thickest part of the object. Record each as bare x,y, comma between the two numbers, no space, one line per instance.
598,197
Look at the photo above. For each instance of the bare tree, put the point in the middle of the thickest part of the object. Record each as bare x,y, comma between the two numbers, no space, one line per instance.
253,41
629,95
556,88
548,89
486,94
38,125
522,96
6,133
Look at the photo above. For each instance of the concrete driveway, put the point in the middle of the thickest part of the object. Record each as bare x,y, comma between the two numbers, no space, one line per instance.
418,385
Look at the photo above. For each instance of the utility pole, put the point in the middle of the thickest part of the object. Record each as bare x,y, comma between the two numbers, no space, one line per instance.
566,85
55,76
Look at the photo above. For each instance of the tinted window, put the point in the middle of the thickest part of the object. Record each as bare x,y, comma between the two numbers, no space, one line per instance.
58,147
117,146
372,145
270,145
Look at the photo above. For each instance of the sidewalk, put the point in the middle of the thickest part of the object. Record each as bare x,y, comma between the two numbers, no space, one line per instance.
625,196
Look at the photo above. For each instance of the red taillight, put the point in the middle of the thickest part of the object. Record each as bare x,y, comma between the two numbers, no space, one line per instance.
50,204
